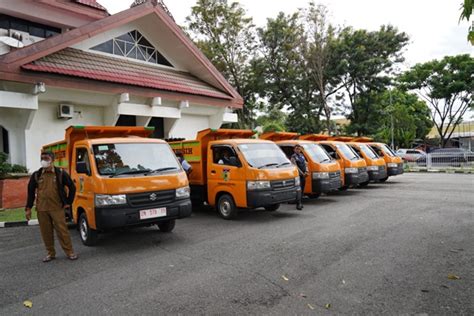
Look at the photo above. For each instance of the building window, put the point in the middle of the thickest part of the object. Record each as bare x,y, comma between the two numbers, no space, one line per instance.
34,29
4,146
133,45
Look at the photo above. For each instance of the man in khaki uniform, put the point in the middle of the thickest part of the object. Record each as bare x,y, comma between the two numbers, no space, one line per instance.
48,186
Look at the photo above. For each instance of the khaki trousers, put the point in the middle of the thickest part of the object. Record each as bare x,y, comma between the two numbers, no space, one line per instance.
50,221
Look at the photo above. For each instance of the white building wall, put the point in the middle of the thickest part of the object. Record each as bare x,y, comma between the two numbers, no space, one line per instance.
47,128
187,126
14,121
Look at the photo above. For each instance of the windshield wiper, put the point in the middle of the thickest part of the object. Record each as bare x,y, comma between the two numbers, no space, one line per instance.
160,170
130,172
268,165
325,159
284,164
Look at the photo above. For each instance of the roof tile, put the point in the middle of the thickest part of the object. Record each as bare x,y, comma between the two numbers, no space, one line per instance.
78,63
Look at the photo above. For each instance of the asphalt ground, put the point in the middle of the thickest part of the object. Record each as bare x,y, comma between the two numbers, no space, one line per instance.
386,249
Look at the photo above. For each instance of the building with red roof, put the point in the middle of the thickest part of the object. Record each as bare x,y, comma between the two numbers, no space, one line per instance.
70,62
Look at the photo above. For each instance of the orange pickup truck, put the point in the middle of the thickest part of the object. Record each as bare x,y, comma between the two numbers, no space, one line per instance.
123,178
394,163
353,167
325,172
232,171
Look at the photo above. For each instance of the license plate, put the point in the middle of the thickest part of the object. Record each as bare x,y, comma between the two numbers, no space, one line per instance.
152,213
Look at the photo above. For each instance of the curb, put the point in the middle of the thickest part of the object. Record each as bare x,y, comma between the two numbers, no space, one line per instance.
441,171
32,222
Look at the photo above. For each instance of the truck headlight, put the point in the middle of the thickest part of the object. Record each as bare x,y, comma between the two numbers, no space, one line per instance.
258,185
183,192
351,170
108,200
392,165
320,175
373,168
297,182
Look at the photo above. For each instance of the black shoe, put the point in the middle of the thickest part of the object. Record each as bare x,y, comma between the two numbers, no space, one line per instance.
299,207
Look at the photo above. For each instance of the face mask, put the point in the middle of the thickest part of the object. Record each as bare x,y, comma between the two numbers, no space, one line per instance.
45,163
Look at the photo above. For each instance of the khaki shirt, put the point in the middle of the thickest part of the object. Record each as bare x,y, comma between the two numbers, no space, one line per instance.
47,197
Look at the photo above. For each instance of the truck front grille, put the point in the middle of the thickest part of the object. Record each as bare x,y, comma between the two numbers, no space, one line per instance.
152,198
282,184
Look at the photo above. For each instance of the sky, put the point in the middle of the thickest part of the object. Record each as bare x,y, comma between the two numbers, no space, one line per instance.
431,24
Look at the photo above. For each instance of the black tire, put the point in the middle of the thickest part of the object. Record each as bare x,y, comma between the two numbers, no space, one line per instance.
226,207
88,235
166,226
384,179
364,184
344,188
314,196
272,208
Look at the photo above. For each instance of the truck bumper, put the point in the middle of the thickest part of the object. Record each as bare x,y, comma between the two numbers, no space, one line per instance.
394,171
115,217
356,178
326,185
270,197
377,175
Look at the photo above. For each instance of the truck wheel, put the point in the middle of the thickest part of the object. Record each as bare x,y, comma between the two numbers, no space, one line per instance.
314,196
166,226
272,208
344,188
226,207
364,184
88,235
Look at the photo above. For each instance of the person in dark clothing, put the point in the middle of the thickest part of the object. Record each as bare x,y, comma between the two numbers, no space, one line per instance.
299,161
48,186
186,166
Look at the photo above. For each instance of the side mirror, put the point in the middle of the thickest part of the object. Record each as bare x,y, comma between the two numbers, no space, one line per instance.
81,167
333,155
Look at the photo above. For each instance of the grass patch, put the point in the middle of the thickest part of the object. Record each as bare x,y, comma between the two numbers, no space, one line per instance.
15,215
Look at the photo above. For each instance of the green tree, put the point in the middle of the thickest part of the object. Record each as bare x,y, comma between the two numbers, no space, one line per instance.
366,62
447,86
466,12
227,37
410,117
286,82
321,59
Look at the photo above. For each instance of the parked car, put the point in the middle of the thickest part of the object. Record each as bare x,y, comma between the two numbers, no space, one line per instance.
410,154
453,157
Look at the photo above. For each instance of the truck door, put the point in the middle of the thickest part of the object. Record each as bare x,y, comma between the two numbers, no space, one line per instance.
81,175
225,174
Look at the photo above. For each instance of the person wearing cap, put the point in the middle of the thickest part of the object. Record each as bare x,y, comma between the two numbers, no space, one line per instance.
186,166
299,161
48,187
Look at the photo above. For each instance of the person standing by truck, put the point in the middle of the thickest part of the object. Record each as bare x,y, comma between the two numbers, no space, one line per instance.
186,166
48,186
299,161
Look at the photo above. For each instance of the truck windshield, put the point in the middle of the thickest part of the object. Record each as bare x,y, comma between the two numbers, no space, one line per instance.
388,151
368,151
316,153
347,152
134,158
264,155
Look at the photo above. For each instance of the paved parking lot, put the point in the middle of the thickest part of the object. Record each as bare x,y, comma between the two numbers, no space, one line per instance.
388,249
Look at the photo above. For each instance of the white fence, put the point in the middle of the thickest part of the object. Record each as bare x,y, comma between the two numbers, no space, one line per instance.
442,160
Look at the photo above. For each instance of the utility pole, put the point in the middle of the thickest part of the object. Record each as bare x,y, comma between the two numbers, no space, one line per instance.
391,118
